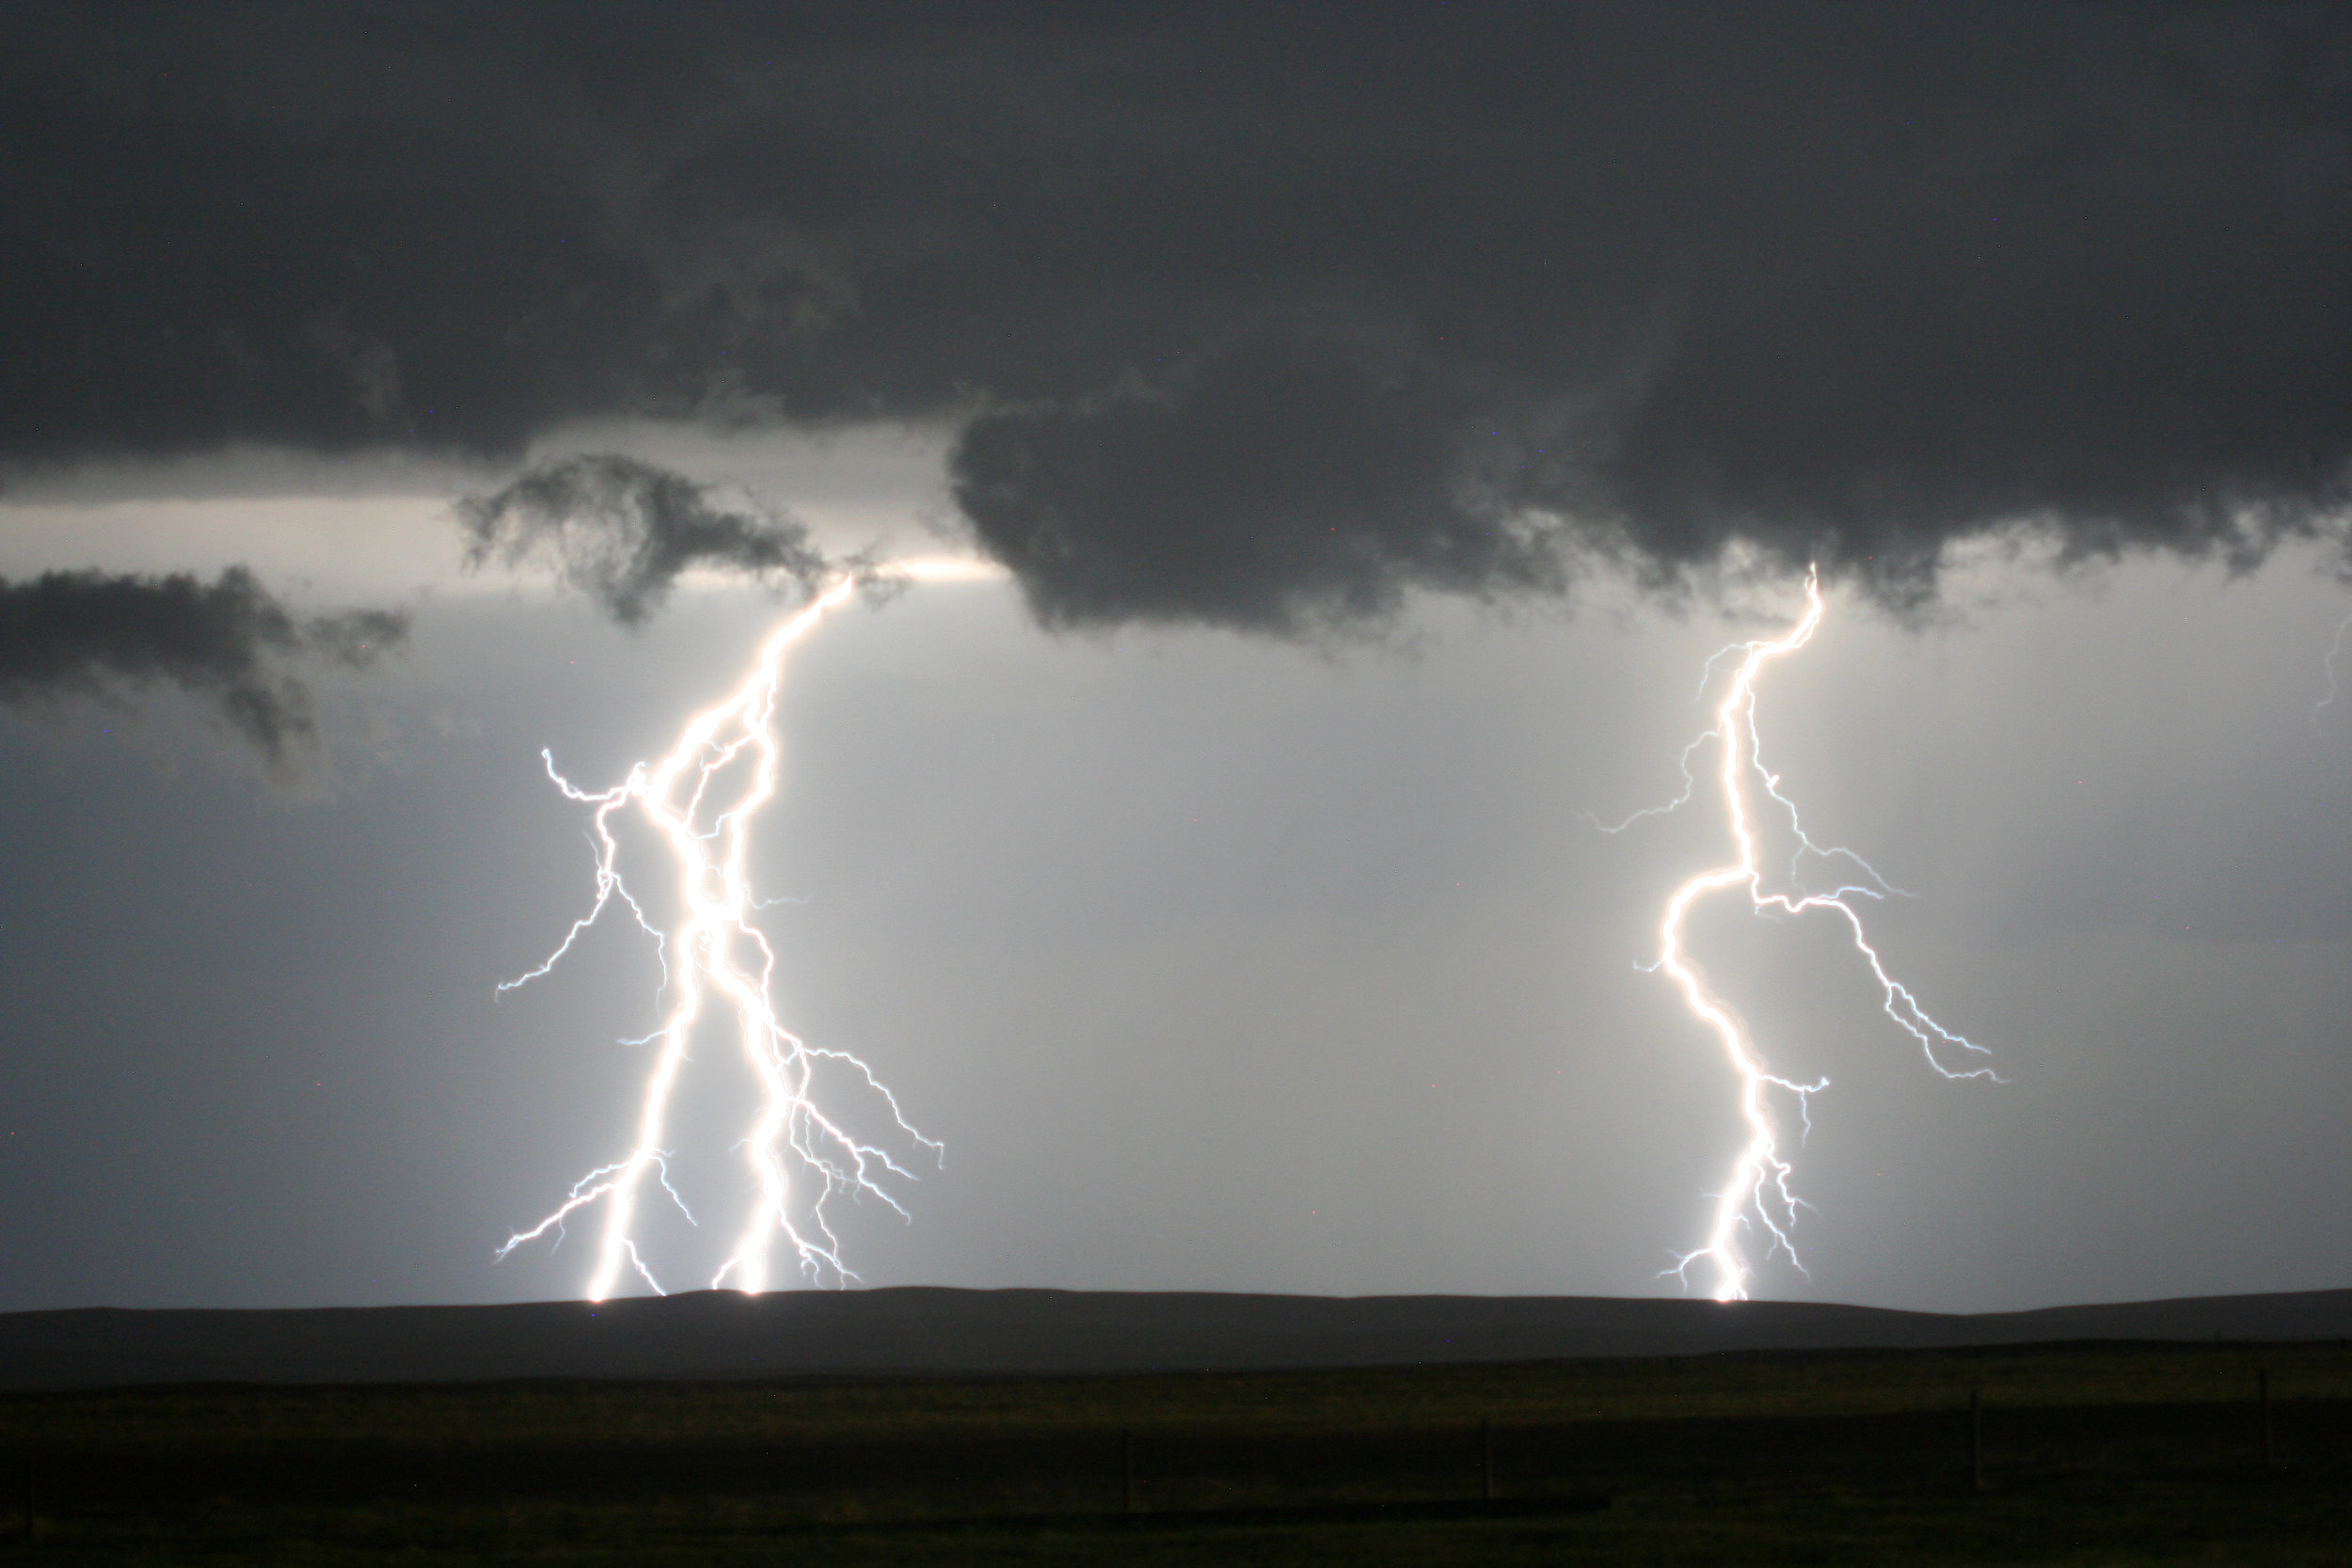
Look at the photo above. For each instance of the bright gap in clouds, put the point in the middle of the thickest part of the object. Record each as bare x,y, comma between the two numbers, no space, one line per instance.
374,526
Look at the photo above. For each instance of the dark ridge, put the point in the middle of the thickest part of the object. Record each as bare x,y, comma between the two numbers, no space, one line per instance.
931,1331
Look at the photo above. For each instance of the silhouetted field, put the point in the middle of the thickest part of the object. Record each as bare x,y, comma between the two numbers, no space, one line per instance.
2090,1453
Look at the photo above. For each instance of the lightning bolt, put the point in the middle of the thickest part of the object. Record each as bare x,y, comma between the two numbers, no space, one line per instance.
1758,1187
2327,669
700,800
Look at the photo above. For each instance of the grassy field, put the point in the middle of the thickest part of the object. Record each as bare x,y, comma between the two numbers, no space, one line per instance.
2090,1454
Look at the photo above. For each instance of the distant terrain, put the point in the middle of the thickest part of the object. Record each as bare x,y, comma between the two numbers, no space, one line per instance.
945,1333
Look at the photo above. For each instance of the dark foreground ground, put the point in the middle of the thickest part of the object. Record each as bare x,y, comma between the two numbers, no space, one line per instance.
2091,1453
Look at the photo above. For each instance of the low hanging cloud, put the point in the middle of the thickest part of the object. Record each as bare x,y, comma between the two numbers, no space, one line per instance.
1260,317
1287,482
229,642
622,532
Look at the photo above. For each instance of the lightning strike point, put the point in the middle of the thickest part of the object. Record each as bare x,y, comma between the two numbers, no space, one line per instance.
700,805
1758,1195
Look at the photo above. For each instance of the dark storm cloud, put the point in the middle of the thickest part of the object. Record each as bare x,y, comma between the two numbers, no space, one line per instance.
622,530
1287,479
91,634
1256,316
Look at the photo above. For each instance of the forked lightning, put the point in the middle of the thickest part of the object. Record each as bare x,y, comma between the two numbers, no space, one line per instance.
700,801
1758,1187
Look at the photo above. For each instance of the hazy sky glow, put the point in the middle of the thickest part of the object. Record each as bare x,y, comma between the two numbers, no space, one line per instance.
1222,963
1219,888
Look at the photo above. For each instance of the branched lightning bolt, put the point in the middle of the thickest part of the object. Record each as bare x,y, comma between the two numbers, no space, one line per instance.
719,959
1758,1186
2327,669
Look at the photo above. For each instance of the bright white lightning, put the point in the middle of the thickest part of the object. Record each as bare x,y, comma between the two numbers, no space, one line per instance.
1758,1186
719,957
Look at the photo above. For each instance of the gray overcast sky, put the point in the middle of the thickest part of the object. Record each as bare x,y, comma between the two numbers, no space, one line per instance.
1382,413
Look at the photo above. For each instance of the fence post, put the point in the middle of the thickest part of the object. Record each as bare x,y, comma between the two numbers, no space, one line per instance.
2262,1392
1485,1459
1975,1439
1126,1472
